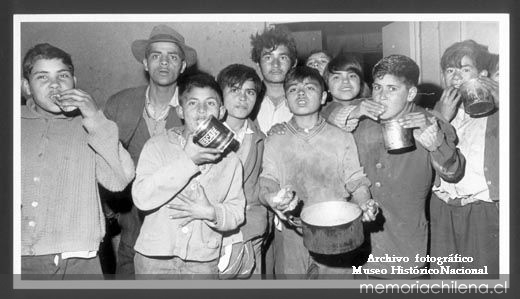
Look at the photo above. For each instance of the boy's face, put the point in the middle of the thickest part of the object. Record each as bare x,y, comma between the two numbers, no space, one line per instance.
392,92
454,76
197,105
344,86
48,77
305,98
239,101
164,63
275,64
318,61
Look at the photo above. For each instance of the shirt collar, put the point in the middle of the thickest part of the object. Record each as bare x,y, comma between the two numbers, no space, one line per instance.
241,133
174,102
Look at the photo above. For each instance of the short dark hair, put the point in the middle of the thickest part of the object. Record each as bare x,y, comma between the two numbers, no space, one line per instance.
400,66
301,73
198,79
453,55
45,51
270,39
343,63
237,74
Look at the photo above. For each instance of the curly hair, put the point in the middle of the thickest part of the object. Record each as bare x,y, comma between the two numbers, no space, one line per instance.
270,39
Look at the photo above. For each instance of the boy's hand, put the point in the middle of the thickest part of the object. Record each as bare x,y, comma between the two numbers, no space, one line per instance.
200,155
369,108
425,129
449,103
278,129
76,98
370,210
491,86
197,207
282,201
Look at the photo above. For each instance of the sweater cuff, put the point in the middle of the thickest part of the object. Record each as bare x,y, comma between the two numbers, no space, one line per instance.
95,123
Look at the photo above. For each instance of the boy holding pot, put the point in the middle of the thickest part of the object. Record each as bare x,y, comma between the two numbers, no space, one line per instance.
312,162
191,194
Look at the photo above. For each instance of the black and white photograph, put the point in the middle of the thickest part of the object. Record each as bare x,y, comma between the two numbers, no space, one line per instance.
261,151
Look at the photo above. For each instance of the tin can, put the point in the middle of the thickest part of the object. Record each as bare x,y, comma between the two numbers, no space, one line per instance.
212,133
476,99
396,137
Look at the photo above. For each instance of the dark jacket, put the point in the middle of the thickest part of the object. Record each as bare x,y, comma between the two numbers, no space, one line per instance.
126,109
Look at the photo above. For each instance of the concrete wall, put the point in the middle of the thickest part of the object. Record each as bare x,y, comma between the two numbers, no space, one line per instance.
104,62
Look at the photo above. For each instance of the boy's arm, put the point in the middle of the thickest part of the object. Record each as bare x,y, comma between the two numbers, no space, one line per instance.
446,159
158,181
268,181
230,214
356,181
340,116
114,166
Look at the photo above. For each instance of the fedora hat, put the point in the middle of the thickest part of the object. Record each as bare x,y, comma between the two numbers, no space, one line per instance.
163,33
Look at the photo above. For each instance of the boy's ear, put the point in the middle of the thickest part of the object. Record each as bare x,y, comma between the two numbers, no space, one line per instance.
323,97
412,92
484,73
295,63
184,65
222,112
180,112
26,89
145,63
75,81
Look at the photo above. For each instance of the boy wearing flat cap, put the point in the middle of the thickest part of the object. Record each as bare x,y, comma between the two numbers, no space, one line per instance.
143,112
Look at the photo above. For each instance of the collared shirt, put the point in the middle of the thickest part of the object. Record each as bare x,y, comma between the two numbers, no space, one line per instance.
156,120
269,114
473,186
241,133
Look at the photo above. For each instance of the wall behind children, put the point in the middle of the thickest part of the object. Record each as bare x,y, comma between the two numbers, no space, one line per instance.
103,58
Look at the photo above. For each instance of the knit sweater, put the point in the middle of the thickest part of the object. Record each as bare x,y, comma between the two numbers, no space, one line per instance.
63,159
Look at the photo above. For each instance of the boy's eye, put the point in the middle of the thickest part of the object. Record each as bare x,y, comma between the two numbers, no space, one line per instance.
41,77
251,92
335,77
212,103
311,87
234,90
376,87
392,88
291,89
284,57
450,71
173,57
353,76
65,75
155,56
191,103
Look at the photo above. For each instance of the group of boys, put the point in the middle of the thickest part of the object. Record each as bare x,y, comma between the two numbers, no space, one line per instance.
195,212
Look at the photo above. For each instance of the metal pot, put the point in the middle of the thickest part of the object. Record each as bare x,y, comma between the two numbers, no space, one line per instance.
395,136
332,227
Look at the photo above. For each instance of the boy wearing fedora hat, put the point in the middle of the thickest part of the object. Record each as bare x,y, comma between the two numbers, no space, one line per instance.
146,111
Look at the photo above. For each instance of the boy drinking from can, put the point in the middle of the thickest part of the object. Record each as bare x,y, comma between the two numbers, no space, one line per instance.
191,194
312,162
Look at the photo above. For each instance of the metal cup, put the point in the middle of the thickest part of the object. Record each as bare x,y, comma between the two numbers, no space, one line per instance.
476,99
214,134
396,137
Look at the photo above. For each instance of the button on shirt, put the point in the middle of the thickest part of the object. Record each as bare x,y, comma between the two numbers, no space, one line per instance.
473,186
269,114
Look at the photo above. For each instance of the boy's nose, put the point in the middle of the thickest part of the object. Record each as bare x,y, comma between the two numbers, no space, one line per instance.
275,62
